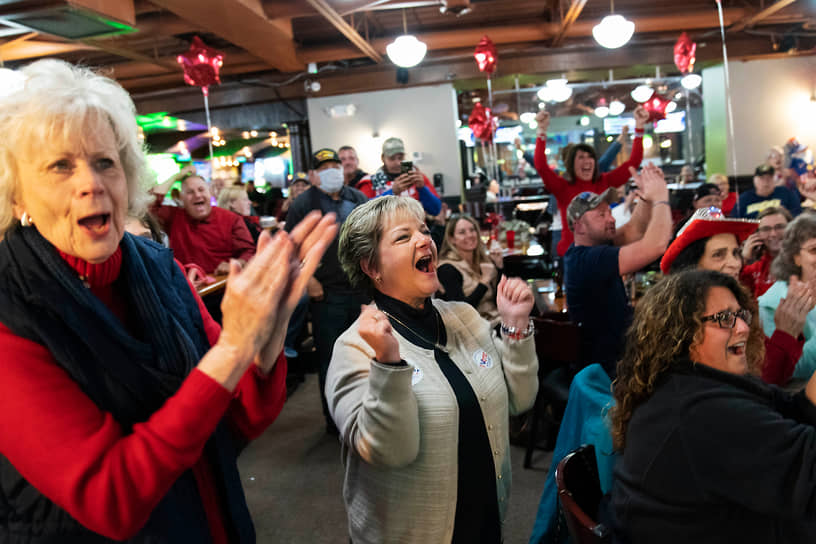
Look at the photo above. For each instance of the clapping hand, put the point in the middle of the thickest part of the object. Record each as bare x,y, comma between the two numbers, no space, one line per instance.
792,311
376,330
651,184
514,300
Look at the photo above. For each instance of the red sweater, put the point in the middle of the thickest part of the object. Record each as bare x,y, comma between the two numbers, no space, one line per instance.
208,243
757,275
565,191
79,457
782,351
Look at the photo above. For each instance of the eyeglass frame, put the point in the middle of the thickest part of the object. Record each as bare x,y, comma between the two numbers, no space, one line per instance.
776,228
746,315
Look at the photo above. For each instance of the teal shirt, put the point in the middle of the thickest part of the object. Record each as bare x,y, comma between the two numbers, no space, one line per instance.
767,307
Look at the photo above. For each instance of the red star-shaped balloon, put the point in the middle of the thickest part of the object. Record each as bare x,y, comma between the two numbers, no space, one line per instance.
485,55
656,106
201,65
684,54
482,123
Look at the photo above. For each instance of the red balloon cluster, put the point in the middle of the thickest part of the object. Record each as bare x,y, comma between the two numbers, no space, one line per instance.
684,54
485,55
482,123
201,65
656,106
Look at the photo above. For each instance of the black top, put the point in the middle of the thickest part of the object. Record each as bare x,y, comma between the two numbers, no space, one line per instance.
477,508
716,457
597,299
330,274
451,279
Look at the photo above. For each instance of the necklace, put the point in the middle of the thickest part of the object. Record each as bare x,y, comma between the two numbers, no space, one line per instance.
436,344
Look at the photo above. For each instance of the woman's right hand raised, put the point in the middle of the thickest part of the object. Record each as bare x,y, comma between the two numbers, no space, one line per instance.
375,329
543,120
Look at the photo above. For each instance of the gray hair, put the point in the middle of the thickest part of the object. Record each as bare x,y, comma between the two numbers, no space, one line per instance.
798,231
57,105
362,231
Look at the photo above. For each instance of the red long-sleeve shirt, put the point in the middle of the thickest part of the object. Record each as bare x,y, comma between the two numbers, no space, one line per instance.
565,191
208,243
782,351
80,458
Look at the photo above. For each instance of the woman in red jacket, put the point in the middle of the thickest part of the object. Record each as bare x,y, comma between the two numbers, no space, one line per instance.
123,405
582,170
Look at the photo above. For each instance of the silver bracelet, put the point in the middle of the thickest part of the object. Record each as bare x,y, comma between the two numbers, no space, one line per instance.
518,334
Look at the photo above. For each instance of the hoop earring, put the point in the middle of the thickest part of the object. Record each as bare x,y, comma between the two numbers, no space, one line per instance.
25,220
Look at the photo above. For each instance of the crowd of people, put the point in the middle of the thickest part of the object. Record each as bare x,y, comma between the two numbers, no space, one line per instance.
703,402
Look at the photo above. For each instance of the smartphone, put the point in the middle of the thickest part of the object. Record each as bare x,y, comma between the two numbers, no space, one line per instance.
406,167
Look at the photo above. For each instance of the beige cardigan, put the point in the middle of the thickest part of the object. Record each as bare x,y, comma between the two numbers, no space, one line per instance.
399,425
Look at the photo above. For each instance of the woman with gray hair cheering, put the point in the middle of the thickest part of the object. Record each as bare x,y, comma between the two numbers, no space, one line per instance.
421,390
796,261
123,405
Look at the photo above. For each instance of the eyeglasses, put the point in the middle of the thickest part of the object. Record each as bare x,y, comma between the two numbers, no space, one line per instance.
775,228
727,319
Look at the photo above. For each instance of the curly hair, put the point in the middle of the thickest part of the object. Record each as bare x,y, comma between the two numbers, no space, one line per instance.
570,162
666,324
362,231
798,231
58,106
450,252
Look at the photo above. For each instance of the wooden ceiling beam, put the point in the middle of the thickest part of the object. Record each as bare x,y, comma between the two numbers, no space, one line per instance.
131,70
235,21
530,32
34,49
380,77
764,14
340,24
572,14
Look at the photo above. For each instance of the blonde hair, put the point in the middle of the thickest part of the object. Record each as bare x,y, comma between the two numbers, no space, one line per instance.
58,104
228,195
450,252
362,231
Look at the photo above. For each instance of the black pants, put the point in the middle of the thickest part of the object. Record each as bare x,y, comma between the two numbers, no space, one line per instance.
330,318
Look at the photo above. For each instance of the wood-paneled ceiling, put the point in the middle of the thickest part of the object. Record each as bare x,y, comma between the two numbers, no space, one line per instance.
268,44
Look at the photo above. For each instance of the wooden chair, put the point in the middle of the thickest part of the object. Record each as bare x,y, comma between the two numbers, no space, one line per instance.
579,492
558,346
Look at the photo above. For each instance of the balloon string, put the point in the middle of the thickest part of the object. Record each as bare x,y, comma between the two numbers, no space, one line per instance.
493,164
729,109
690,130
209,123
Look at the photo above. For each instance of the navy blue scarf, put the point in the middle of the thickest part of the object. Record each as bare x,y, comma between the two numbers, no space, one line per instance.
43,299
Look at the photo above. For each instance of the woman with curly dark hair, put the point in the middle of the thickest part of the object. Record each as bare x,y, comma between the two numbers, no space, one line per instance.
709,453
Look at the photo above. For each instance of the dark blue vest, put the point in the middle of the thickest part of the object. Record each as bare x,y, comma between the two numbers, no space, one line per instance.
43,299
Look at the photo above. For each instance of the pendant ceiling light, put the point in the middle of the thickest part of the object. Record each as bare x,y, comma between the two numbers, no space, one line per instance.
642,93
614,30
616,107
406,51
555,90
691,81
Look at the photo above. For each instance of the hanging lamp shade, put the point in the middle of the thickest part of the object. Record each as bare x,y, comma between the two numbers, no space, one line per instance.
613,31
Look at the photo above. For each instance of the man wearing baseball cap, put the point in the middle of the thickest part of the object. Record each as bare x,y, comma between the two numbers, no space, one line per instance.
394,178
333,302
765,195
601,254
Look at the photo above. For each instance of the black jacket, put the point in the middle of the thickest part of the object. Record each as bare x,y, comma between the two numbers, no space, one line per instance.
330,274
716,457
